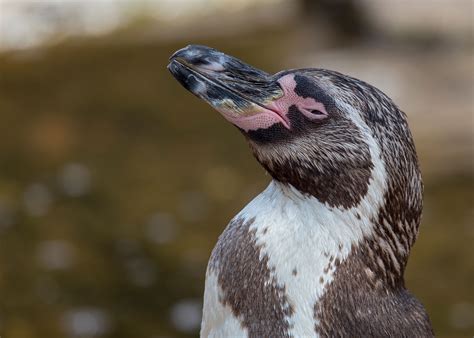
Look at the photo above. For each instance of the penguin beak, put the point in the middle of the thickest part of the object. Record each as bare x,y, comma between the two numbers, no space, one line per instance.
241,93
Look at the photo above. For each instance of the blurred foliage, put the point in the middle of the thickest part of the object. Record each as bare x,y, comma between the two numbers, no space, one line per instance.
150,147
166,175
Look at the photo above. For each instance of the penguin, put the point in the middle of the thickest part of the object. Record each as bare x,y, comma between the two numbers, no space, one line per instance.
322,251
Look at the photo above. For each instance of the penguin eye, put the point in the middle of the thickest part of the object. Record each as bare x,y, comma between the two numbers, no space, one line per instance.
317,112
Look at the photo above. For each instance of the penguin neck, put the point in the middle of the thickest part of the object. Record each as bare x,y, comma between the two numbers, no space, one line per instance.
281,206
298,233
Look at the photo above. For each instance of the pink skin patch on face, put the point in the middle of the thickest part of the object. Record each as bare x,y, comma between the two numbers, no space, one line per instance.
278,110
290,98
262,118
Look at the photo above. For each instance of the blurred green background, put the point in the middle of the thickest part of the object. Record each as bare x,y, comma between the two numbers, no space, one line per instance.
115,182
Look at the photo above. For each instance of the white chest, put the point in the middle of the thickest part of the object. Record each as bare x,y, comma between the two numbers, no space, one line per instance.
301,241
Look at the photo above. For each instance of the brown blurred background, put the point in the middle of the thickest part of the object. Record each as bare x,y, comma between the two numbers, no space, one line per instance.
115,182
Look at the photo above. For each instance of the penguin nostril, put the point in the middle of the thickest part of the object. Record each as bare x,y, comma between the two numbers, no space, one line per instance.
214,66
